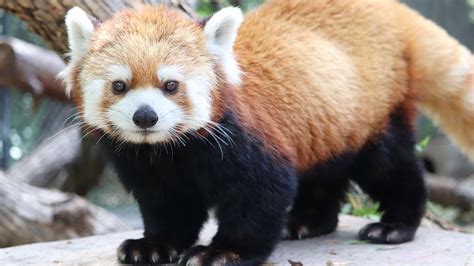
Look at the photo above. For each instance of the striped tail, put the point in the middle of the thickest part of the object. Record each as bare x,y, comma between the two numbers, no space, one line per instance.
442,75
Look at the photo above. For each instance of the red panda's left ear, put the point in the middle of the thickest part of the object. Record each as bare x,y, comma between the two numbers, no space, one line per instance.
220,32
79,30
221,29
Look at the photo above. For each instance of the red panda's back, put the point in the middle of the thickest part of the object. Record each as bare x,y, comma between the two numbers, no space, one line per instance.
324,74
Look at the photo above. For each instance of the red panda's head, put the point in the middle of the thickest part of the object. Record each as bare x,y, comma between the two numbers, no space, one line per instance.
148,74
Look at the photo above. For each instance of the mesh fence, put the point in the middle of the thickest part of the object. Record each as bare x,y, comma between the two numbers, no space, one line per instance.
24,121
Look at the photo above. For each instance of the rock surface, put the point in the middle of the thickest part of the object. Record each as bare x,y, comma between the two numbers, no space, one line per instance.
432,246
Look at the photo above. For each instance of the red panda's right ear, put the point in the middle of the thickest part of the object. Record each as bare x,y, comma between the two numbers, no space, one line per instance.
79,30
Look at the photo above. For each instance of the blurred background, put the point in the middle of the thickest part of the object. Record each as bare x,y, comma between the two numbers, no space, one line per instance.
46,161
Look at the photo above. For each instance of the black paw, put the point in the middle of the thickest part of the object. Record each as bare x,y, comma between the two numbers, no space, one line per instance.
143,251
201,255
382,233
294,231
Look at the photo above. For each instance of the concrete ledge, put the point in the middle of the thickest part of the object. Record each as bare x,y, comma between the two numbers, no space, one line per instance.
432,246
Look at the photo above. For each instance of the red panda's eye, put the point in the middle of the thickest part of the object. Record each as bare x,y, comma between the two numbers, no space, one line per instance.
171,86
119,87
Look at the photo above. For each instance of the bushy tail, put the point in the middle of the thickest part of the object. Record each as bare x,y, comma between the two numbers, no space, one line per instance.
442,72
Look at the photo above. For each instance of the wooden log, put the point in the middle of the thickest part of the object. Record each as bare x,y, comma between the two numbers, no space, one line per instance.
65,161
448,191
432,246
29,214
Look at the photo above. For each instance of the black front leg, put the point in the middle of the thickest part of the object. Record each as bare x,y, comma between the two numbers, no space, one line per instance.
172,221
250,218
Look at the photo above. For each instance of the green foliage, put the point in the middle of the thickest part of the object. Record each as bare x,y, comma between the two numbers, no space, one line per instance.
449,214
470,3
361,205
205,7
421,146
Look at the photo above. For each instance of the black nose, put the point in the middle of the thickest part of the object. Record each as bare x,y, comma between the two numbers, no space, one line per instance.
145,117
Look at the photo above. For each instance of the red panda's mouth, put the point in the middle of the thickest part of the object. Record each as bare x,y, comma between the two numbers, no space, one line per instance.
144,132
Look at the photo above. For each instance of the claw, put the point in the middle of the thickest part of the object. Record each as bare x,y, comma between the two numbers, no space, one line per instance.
302,232
196,260
376,233
155,257
172,255
137,258
121,254
387,233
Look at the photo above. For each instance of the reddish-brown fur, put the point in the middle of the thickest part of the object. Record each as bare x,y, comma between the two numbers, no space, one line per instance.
130,37
318,88
320,78
286,50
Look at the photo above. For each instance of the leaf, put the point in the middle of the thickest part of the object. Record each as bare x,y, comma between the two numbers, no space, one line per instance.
355,242
421,146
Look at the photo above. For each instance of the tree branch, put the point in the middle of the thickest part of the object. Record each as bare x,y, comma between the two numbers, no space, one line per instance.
46,18
449,192
30,68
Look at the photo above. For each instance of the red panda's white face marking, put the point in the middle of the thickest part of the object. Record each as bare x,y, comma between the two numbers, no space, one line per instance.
144,50
170,115
170,73
93,94
174,114
120,72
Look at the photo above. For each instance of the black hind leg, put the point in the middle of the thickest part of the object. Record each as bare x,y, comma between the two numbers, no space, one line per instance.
316,208
389,171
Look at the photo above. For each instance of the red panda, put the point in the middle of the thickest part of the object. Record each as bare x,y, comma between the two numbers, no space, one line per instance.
265,119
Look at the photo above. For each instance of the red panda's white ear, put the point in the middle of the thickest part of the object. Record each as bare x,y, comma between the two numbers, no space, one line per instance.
79,30
221,31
